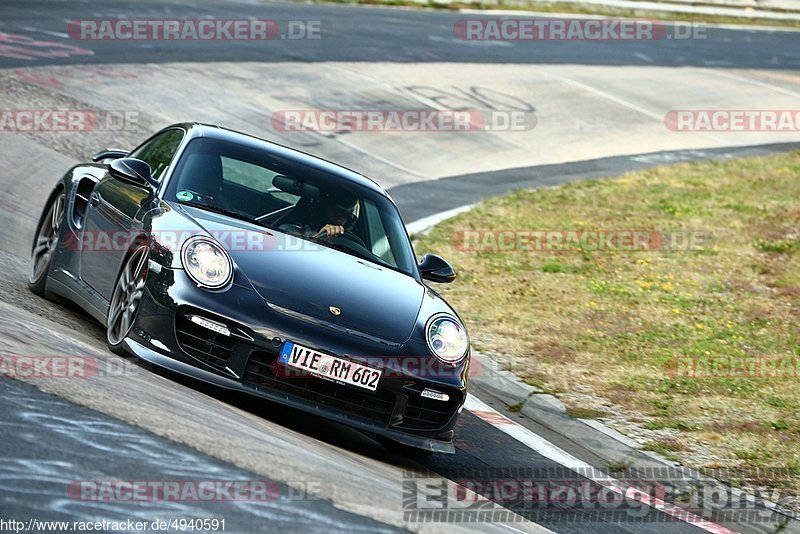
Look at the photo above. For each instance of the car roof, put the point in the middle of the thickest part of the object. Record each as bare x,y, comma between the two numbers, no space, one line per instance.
198,129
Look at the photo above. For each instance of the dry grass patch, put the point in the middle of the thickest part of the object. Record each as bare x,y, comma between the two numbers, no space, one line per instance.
613,324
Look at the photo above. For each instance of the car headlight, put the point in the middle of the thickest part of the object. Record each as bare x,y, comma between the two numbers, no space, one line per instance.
446,338
206,262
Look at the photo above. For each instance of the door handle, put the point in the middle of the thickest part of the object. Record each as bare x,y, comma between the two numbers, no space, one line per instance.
94,199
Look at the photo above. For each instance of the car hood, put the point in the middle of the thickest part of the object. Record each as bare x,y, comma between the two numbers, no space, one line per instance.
311,282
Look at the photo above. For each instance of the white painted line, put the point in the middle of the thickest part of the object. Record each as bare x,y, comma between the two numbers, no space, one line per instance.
548,450
624,103
372,155
509,527
469,42
46,32
754,82
607,96
533,14
426,223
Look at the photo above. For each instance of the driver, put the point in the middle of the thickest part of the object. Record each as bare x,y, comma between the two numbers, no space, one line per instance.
331,216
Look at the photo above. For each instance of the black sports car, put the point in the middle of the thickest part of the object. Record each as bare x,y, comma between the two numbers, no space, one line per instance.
261,269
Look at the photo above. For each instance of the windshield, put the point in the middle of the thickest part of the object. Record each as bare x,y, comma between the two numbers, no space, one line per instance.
284,195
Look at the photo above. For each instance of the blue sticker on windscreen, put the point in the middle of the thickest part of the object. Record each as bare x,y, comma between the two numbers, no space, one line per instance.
286,351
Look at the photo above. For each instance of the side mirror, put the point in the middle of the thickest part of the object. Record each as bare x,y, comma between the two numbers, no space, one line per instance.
109,154
436,269
134,171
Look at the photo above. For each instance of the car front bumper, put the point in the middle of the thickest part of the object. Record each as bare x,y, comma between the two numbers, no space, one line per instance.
246,361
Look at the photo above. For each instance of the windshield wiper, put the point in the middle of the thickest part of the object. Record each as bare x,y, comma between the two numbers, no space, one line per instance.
222,211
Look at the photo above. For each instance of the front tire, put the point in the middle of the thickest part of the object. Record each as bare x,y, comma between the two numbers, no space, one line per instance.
125,299
45,244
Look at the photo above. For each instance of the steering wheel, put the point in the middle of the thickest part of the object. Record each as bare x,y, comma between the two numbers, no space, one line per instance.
346,236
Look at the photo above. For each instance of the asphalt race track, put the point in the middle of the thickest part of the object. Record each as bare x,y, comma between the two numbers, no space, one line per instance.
592,110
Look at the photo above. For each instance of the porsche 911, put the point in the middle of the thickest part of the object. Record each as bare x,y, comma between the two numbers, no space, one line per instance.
261,269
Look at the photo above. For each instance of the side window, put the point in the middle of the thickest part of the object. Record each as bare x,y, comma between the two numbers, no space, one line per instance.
158,151
379,241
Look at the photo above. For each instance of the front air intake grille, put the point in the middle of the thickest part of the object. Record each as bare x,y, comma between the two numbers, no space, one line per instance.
423,413
210,347
265,371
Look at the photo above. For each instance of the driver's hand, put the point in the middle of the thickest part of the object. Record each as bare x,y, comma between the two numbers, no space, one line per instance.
331,230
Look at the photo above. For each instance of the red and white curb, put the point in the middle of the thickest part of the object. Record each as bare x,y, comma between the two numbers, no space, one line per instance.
488,414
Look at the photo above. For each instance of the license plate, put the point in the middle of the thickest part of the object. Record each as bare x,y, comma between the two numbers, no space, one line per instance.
326,366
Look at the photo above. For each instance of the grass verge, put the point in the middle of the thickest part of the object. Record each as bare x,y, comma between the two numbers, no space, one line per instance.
681,336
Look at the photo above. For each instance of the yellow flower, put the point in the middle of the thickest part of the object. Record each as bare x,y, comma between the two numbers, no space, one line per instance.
667,286
676,311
